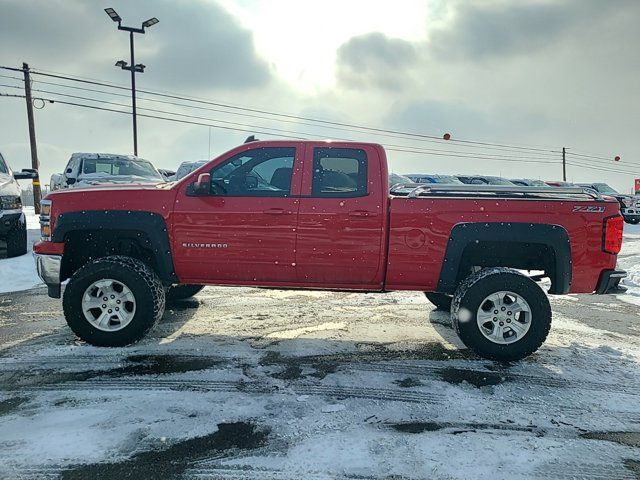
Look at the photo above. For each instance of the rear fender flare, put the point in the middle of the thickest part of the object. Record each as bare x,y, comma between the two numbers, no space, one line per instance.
463,234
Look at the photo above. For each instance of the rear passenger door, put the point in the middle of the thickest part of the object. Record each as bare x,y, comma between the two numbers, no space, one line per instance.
340,220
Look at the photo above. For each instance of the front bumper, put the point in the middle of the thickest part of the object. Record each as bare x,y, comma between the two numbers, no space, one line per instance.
48,267
609,281
631,213
8,219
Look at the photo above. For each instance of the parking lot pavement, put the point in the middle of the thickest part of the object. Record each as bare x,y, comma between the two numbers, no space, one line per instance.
267,384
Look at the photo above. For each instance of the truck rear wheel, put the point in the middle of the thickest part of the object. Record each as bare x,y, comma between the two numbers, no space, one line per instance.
501,314
17,240
440,300
180,292
113,301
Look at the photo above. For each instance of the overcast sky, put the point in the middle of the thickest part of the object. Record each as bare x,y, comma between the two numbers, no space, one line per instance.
546,74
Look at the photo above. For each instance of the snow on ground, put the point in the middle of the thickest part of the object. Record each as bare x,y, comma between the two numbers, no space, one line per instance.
19,273
629,260
255,384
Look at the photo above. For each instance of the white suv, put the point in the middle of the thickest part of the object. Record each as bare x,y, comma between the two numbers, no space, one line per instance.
13,226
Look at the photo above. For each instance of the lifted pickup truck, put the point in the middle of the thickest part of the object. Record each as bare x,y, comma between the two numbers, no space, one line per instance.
320,215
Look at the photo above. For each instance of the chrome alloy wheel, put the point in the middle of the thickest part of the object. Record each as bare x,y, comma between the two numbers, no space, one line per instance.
108,305
504,317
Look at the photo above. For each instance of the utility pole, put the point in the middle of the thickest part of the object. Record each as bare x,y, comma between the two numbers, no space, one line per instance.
32,138
564,164
133,68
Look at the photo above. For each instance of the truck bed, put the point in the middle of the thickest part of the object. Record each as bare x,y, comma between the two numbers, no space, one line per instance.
421,229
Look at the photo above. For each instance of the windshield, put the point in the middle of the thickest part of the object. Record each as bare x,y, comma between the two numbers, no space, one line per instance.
446,179
187,167
120,167
604,188
443,179
395,179
498,181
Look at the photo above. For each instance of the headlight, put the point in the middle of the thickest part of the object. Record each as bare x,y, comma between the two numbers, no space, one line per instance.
10,202
45,220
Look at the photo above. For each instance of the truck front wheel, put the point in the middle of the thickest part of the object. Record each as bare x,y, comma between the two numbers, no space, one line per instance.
113,301
501,314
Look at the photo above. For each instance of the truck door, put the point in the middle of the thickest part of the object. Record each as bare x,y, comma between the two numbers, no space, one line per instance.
342,216
243,231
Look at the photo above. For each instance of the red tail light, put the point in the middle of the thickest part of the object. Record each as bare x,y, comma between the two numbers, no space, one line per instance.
612,238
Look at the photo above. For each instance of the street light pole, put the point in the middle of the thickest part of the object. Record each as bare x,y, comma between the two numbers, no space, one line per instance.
133,98
132,67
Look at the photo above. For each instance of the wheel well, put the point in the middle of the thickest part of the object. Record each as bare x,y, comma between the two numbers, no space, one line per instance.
83,246
524,246
518,255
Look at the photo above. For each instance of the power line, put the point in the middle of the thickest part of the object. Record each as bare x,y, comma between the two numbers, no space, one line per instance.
544,155
257,117
399,148
273,132
602,168
298,117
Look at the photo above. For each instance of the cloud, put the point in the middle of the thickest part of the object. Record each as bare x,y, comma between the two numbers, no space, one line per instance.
202,47
375,60
482,31
196,47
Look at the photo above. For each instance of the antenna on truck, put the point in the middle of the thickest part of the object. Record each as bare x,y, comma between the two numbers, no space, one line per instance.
251,138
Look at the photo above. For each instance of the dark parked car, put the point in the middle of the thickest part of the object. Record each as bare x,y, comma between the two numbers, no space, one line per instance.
559,183
528,182
629,206
483,180
427,178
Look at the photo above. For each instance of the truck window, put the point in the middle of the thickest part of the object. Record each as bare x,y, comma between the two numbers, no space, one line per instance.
3,166
339,172
263,172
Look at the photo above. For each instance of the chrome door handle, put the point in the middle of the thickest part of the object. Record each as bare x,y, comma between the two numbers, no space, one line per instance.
362,213
277,211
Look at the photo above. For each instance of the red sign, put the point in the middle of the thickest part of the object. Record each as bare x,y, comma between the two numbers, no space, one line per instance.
637,188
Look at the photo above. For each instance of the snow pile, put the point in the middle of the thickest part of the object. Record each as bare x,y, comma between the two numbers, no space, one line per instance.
19,273
629,260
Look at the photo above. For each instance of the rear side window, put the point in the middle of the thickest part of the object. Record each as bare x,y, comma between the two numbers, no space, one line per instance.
3,166
339,172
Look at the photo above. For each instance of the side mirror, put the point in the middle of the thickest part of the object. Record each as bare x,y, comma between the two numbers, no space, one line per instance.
71,181
25,174
203,185
251,182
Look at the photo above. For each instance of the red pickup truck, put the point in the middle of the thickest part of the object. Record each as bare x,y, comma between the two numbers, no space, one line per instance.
321,215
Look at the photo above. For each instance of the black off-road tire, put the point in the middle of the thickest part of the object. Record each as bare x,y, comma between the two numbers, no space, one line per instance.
182,291
442,301
633,221
17,240
138,277
472,292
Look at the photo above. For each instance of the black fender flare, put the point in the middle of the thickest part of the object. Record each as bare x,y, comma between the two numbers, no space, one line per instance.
463,234
152,224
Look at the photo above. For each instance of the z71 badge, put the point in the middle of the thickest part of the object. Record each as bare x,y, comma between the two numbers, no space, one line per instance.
587,209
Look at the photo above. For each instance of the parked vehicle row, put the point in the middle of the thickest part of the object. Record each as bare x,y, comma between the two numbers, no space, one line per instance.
629,205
